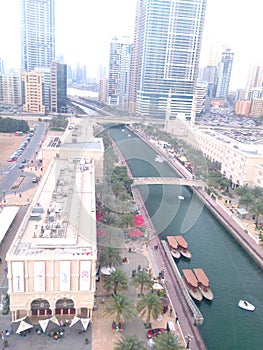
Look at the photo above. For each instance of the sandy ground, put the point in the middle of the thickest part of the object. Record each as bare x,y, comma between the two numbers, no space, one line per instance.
8,145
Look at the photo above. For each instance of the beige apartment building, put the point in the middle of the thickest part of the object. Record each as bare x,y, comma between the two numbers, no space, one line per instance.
240,162
33,92
52,261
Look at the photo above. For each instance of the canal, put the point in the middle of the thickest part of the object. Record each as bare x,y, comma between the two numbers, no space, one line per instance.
232,273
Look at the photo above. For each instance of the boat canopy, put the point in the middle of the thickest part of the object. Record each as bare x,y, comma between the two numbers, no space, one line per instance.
201,276
190,277
172,242
181,241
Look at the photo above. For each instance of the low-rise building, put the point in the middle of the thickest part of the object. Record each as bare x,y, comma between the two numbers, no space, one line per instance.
52,260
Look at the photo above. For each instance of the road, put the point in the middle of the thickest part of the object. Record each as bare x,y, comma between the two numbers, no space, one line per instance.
12,173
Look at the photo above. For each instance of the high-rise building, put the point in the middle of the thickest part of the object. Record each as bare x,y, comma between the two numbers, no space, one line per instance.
33,92
37,34
119,72
255,78
165,57
224,74
2,69
58,87
209,74
10,89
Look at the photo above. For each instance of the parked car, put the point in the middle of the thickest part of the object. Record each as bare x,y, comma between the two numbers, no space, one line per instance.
155,332
35,180
21,166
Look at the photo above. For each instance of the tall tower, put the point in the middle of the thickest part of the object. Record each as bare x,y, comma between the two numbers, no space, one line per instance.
255,78
165,57
119,66
224,74
37,34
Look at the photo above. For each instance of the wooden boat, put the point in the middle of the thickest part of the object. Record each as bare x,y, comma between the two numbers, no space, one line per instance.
204,284
192,284
173,245
183,247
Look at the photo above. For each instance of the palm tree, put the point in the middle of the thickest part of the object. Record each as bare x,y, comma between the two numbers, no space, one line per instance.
110,257
242,190
257,191
167,341
142,279
149,305
246,200
257,208
118,280
121,306
129,342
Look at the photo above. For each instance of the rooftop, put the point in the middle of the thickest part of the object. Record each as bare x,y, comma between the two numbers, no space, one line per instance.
62,216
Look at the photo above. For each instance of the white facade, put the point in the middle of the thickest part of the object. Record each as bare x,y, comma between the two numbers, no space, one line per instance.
10,89
37,34
239,162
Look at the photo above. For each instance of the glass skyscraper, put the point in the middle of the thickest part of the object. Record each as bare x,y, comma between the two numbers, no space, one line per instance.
37,34
224,74
165,57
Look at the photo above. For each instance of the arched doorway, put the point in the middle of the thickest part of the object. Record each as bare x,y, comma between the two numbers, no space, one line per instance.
65,307
40,307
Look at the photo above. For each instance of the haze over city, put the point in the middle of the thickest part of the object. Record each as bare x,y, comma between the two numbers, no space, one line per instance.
83,32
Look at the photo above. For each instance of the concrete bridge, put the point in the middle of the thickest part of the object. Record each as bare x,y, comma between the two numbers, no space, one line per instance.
167,181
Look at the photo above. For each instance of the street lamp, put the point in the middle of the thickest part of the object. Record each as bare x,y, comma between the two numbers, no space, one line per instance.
188,339
3,195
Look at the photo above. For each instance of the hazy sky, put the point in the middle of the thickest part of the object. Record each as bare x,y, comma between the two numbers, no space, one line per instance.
83,31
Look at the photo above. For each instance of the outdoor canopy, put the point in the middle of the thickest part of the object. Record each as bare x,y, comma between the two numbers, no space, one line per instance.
23,326
49,323
135,233
78,320
138,220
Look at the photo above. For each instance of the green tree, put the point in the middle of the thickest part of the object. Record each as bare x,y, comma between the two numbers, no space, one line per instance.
167,341
129,342
149,305
117,280
121,306
110,257
127,220
257,208
242,190
116,187
257,191
246,200
142,280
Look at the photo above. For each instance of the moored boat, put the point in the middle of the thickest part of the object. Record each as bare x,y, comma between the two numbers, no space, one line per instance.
183,247
192,284
173,245
204,284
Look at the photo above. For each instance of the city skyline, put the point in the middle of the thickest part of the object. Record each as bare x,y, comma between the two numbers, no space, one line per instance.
227,24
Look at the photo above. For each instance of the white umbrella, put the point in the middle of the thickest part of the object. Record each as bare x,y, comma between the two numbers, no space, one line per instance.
157,286
23,327
85,322
107,270
52,322
74,320
43,324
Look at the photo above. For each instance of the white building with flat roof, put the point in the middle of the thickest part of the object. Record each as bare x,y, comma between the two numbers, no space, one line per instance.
52,261
239,161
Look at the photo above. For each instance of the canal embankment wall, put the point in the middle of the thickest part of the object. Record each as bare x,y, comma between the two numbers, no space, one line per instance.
189,315
235,228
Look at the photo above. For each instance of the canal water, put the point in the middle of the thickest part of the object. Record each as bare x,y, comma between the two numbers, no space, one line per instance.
232,273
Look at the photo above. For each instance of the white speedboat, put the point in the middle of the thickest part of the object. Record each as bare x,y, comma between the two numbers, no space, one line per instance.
243,304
